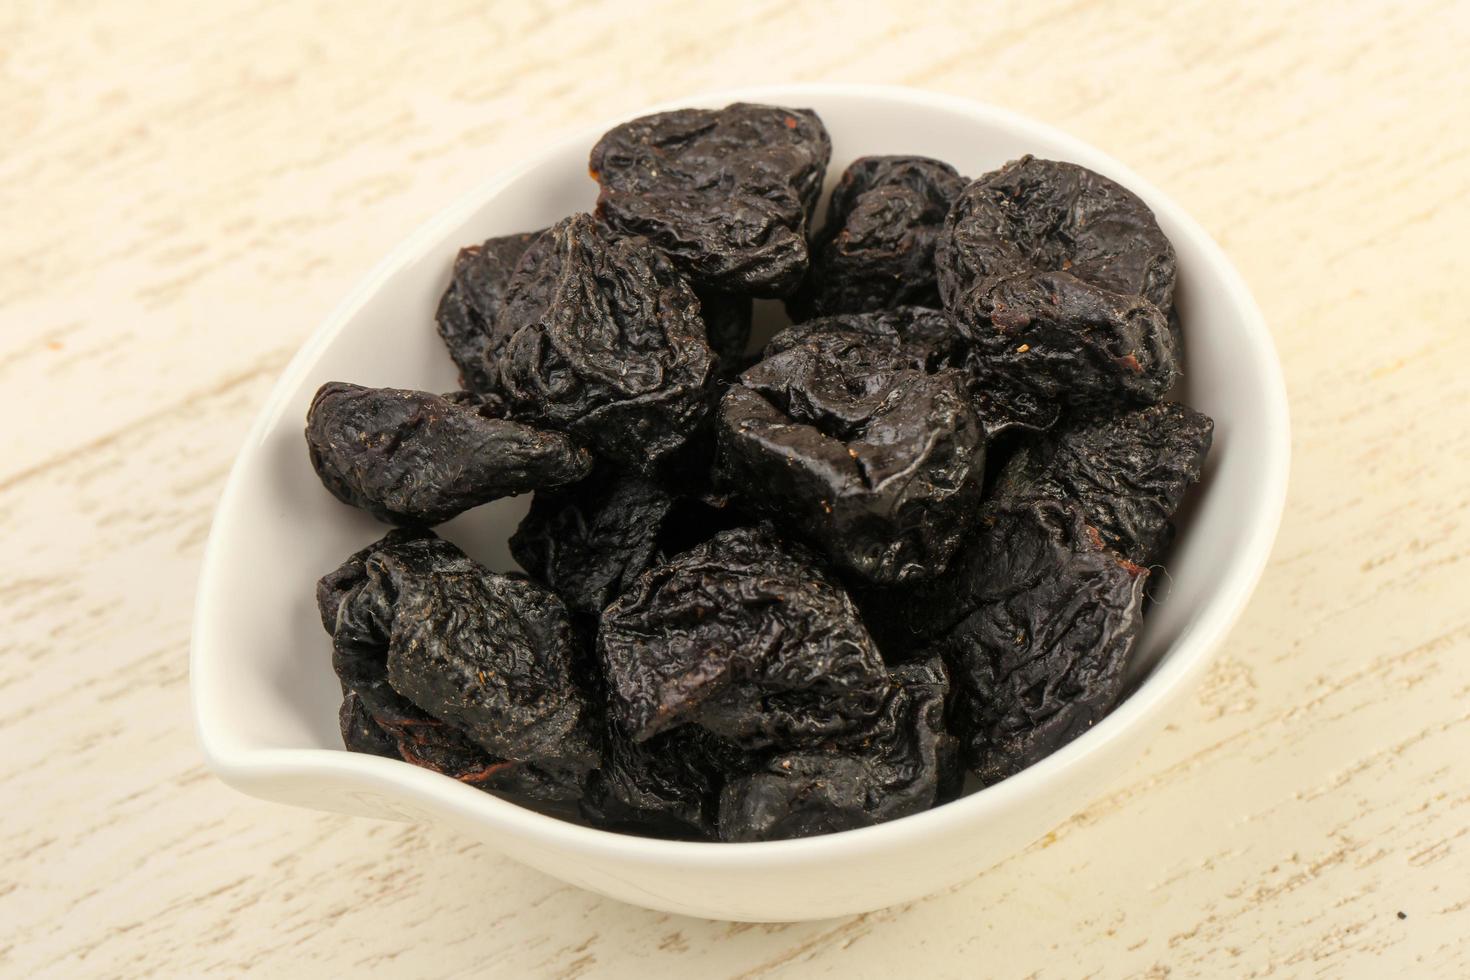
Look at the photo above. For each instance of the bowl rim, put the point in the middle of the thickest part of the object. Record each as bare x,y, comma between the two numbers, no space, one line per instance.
1184,659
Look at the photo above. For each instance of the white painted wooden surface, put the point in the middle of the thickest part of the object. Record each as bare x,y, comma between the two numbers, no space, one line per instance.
185,189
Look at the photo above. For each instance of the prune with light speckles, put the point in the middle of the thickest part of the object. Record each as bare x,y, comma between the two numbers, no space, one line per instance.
422,629
1039,624
471,304
589,541
846,436
904,763
606,343
727,193
1064,279
876,250
745,637
410,457
1128,472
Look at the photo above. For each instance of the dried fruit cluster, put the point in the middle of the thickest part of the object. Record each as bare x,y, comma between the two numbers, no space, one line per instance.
776,596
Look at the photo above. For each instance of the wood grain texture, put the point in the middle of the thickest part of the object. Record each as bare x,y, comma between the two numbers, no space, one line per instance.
185,192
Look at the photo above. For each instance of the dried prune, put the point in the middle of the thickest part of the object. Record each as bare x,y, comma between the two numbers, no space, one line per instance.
376,719
904,763
360,733
421,629
606,342
844,436
727,193
589,541
876,250
915,336
1005,404
1128,472
932,340
1043,620
727,320
745,637
1064,279
777,596
424,741
471,304
334,586
669,785
410,457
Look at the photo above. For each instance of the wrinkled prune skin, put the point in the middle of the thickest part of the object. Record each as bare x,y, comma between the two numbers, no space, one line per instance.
668,786
489,654
471,304
846,436
589,541
424,741
606,342
1063,278
1128,472
904,763
727,320
932,340
726,193
360,733
1038,627
745,637
914,336
334,586
876,250
1006,405
410,457
424,632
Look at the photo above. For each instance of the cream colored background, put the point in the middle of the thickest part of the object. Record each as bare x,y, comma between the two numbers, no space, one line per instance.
186,189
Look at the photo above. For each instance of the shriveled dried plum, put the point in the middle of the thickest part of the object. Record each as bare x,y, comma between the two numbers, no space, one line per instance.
424,741
1128,472
784,600
904,763
471,304
727,193
376,719
589,541
876,250
1063,278
914,336
1007,405
1044,618
606,343
844,435
421,629
745,637
334,586
669,785
360,733
410,457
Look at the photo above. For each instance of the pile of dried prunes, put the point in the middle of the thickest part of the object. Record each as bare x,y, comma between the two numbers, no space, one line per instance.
785,594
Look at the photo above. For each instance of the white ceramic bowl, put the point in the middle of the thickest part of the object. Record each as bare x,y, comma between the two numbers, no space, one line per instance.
265,699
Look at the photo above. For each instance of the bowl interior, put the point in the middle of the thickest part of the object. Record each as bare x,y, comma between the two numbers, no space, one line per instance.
262,674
